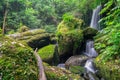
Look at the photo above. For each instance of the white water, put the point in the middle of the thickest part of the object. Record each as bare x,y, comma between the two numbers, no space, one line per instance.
90,51
89,65
95,18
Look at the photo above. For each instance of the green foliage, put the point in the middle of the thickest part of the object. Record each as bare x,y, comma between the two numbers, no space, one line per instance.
108,41
67,17
50,28
108,44
42,13
17,61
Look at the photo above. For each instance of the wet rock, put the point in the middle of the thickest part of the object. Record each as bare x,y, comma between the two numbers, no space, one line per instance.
76,60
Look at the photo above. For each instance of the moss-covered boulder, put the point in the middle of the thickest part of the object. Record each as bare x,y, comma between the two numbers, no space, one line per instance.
17,61
46,53
49,54
69,35
37,38
55,73
89,33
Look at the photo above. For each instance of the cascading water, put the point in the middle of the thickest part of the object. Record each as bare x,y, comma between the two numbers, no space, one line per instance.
89,65
90,51
95,18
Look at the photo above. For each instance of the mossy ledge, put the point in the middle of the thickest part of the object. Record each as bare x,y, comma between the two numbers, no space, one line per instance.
55,73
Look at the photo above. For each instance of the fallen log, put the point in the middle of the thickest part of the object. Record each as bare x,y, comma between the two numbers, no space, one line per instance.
42,75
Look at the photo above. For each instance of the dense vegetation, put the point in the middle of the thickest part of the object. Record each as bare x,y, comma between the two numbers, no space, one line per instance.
107,42
40,13
58,29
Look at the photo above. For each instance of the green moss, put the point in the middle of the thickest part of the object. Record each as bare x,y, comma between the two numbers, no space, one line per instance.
16,61
46,53
69,35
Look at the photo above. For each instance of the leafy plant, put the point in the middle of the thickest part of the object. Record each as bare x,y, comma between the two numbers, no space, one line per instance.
110,36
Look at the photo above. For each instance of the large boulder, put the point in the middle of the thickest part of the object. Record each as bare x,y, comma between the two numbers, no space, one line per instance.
70,36
77,60
17,61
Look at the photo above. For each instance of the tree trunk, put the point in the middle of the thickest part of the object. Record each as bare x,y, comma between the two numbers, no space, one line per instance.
4,21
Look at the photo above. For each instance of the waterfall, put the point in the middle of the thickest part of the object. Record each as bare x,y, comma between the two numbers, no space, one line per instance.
95,18
90,51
